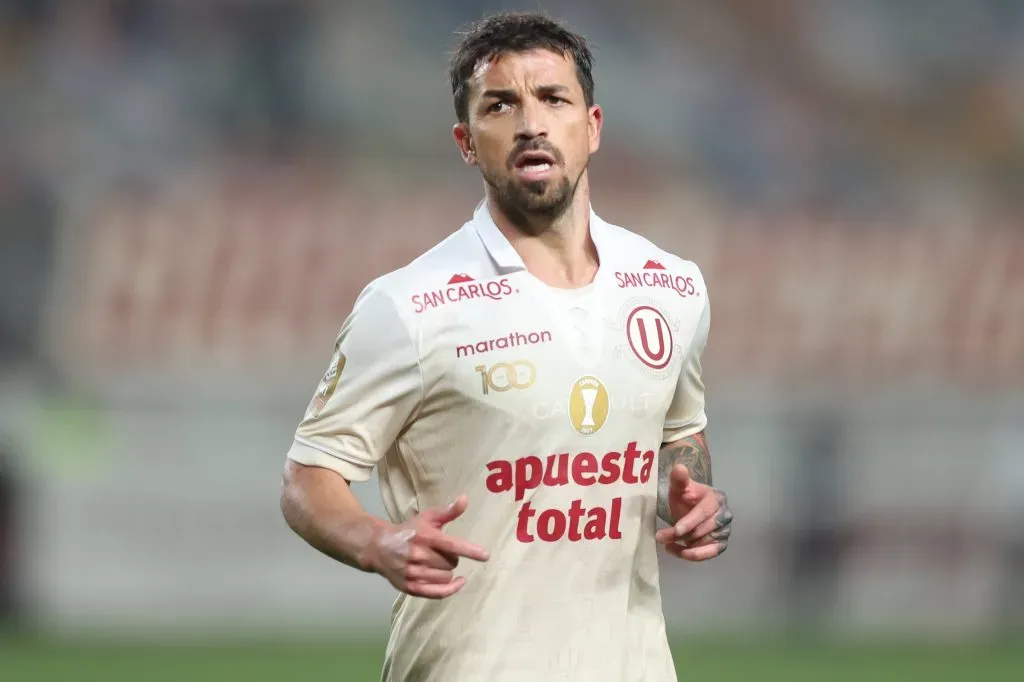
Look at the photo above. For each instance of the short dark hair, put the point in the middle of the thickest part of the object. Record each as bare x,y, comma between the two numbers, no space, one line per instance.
509,32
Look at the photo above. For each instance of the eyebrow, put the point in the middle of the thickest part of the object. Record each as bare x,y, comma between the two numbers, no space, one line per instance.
511,94
499,94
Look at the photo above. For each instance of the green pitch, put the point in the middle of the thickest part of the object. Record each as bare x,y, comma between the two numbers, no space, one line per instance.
353,661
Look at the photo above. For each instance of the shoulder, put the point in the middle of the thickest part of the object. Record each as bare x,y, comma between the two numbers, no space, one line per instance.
456,260
634,255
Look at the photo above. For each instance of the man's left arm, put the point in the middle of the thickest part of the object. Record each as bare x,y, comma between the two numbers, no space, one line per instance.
697,513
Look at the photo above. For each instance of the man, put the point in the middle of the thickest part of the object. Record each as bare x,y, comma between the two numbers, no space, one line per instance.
530,393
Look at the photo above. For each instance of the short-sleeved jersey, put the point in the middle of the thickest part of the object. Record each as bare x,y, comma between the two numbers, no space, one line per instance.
463,373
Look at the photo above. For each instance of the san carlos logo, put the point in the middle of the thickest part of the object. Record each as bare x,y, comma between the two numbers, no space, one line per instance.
462,287
588,405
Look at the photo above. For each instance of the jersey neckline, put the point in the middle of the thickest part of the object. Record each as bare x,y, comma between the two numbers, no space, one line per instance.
507,259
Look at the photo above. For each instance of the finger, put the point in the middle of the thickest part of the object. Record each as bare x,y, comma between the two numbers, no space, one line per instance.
445,560
455,546
696,517
679,476
704,510
425,555
693,493
721,534
718,522
665,535
704,552
674,548
416,573
701,551
435,590
714,535
440,517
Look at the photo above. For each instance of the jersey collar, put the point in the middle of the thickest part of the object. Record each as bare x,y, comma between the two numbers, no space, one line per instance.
504,254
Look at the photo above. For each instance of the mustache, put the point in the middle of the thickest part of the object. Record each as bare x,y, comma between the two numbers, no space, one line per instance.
534,145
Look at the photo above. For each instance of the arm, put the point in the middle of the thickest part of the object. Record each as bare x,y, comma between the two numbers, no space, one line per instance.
371,391
698,514
319,506
416,557
692,452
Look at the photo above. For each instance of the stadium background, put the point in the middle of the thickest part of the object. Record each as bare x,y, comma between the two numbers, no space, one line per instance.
192,192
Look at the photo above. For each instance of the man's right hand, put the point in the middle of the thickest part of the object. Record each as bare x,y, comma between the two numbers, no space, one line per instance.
418,558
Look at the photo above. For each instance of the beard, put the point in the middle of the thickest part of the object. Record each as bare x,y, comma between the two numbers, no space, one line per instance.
532,206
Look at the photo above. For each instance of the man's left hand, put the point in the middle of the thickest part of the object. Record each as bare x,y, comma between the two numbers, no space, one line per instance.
704,521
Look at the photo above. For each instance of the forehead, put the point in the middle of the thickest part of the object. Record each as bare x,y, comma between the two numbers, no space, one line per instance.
524,70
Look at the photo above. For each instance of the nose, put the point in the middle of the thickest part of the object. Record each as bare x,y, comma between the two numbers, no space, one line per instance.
531,122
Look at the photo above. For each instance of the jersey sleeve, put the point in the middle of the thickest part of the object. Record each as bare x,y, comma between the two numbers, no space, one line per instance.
371,389
686,415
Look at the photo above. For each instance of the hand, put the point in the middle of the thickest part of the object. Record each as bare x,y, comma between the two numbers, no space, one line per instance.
418,558
703,523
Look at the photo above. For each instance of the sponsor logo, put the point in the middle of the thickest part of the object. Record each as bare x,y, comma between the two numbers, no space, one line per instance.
638,406
588,405
654,275
513,340
460,288
504,376
329,383
576,523
649,336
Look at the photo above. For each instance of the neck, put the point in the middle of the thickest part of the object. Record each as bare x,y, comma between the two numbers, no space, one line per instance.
559,252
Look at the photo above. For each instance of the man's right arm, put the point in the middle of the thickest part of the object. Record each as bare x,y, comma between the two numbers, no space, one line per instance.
416,557
320,507
371,391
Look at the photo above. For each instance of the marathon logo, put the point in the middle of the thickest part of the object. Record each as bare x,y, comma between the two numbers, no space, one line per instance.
654,275
584,469
513,340
462,287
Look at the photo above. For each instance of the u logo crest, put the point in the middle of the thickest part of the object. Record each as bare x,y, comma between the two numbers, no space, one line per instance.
650,336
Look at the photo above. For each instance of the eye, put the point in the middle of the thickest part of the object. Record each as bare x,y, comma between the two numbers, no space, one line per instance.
496,107
554,99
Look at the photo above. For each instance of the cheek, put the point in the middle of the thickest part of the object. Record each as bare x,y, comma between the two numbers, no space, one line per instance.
491,161
493,158
578,146
489,150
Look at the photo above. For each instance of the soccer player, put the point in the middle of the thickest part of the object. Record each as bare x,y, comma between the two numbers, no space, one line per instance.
529,391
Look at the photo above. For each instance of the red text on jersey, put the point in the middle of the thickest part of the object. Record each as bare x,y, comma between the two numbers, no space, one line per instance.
657,277
495,289
584,469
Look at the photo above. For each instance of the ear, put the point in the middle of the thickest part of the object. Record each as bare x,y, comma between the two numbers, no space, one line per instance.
596,120
464,141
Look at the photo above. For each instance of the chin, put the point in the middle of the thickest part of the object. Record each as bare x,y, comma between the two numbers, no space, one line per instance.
545,198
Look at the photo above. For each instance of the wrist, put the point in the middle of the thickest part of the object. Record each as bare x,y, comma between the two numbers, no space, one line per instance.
367,540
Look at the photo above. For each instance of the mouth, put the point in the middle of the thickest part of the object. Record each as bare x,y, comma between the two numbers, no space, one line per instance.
534,164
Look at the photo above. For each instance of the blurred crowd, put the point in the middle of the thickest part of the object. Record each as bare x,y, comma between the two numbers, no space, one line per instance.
849,102
861,107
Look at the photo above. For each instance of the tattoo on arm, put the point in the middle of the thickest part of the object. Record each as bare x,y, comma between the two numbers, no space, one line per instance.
692,452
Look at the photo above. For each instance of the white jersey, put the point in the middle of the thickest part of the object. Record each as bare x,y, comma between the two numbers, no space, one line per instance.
463,373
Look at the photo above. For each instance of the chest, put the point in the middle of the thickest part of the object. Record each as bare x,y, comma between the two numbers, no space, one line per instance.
579,363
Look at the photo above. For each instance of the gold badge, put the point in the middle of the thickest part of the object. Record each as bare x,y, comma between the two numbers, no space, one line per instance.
328,384
505,376
588,405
